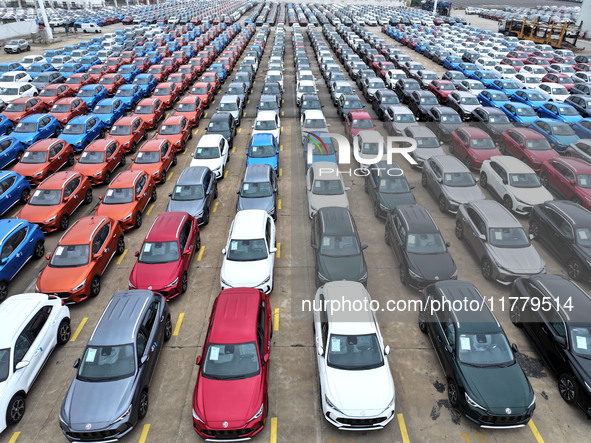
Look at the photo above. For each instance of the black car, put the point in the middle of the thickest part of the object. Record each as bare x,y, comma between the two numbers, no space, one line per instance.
310,101
421,102
382,99
581,89
425,77
454,76
273,88
564,227
388,188
404,87
443,121
347,103
491,120
337,249
419,247
582,103
224,124
559,329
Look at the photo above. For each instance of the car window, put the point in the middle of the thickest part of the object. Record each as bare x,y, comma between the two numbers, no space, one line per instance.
163,149
13,242
556,323
22,345
140,185
450,333
477,220
261,327
268,234
111,149
100,237
184,235
72,186
37,322
141,342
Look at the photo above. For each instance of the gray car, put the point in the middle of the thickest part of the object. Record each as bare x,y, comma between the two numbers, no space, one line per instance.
325,187
16,46
109,394
370,85
580,149
428,144
387,188
233,105
463,102
194,193
450,182
498,240
398,117
258,189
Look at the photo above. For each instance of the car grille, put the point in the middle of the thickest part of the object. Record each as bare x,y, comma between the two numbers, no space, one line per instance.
93,436
502,420
361,422
227,433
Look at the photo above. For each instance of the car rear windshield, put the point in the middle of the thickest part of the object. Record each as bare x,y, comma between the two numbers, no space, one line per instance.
404,118
247,250
48,93
86,92
159,252
563,129
104,363
327,187
231,361
265,125
188,192
483,350
508,238
362,123
354,352
256,190
117,196
144,157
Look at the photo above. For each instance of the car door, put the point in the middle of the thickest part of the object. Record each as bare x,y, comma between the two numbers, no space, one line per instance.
322,329
562,179
148,343
399,240
103,248
71,195
15,253
558,234
373,181
270,238
165,156
264,337
498,179
474,227
461,147
208,186
112,156
550,332
434,178
143,190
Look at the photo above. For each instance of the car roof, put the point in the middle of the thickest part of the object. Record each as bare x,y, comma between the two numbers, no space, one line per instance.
126,178
34,118
580,301
417,219
235,316
262,138
336,220
57,180
450,163
325,171
15,312
192,175
221,116
420,131
364,115
495,214
400,109
258,173
82,230
344,321
166,226
266,115
512,164
576,164
249,224
473,132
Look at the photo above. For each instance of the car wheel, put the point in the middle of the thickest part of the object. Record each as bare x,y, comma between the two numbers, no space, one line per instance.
88,197
387,236
138,220
508,203
576,200
568,388
167,329
442,204
71,160
63,332
198,242
184,283
28,48
483,179
133,147
143,405
25,195
534,230
16,408
64,222
18,51
123,160
163,177
424,179
174,160
107,179
452,393
403,273
376,209
206,217
459,230
451,148
515,315
573,269
545,180
503,148
120,245
39,249
154,195
486,268
422,323
215,191
95,286
3,290
468,162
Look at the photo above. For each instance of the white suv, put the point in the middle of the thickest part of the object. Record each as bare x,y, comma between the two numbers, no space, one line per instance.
267,122
211,151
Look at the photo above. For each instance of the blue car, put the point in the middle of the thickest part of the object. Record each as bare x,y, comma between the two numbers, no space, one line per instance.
37,68
505,85
67,50
92,94
530,97
36,127
20,241
14,188
558,133
520,113
88,61
6,125
11,66
109,110
189,50
83,130
129,72
468,69
146,82
11,150
68,69
490,97
323,150
486,77
52,53
263,149
130,95
583,128
559,111
220,69
154,57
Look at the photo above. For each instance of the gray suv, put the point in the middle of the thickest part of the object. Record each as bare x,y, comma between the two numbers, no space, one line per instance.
17,46
194,193
258,189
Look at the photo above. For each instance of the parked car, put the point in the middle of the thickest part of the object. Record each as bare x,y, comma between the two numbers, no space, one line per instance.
258,190
194,193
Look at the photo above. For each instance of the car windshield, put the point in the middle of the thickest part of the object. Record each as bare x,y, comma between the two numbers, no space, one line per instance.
103,363
123,93
141,81
199,90
427,142
37,68
103,109
48,93
370,148
499,97
339,245
8,91
120,130
526,112
72,80
268,105
306,88
74,129
64,68
117,196
429,100
567,110
315,123
469,101
262,151
144,109
564,80
256,190
92,157
458,179
86,93
162,91
425,243
4,364
535,80
187,192
107,80
524,180
186,107
560,129
354,352
68,256
538,145
234,90
483,349
508,237
144,157
327,187
584,180
247,250
125,70
561,91
228,106
216,126
159,252
580,337
265,125
34,157
15,107
482,143
231,361
362,123
447,87
404,118
170,129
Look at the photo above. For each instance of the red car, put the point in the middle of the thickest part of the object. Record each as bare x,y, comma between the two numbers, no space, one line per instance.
529,146
181,57
357,121
114,63
562,79
143,63
167,92
234,405
150,110
517,64
517,55
191,107
582,67
176,130
99,160
166,254
44,158
171,64
52,93
159,71
473,146
156,156
570,178
204,91
111,82
213,78
97,71
190,71
128,131
76,81
563,60
127,57
67,108
199,63
21,107
441,89
548,55
181,80
164,50
383,68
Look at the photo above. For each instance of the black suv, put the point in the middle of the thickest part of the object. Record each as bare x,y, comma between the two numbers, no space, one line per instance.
224,124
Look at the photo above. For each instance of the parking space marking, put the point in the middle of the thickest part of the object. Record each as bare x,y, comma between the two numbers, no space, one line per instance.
244,114
196,131
282,113
281,147
273,438
279,205
240,129
14,437
122,257
39,264
281,129
15,213
282,101
205,116
79,329
226,173
200,255
276,320
170,175
215,207
179,322
150,209
280,172
145,431
402,425
278,253
233,149
535,431
248,101
213,101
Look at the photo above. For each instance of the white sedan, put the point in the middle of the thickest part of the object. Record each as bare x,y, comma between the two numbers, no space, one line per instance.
212,151
31,326
554,90
267,122
325,187
12,91
15,77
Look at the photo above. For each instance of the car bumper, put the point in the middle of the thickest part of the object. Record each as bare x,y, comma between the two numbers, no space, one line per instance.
110,434
226,435
506,277
498,421
345,422
265,287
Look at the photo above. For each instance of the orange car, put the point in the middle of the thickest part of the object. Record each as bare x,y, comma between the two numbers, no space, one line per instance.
204,91
182,81
180,56
99,160
176,130
126,198
97,71
150,110
76,81
52,93
128,131
156,156
167,92
44,158
191,107
213,78
111,82
128,57
56,199
65,109
80,258
159,72
114,63
21,107
190,71
171,64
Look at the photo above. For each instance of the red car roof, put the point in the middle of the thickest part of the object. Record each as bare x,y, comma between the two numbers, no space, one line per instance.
235,316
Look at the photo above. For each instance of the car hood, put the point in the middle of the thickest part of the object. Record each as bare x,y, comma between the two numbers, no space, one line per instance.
212,164
193,207
53,280
89,169
532,196
365,392
391,201
518,260
342,268
8,98
153,276
433,267
271,161
97,403
463,194
448,128
24,137
73,139
264,203
322,201
499,128
38,214
28,169
426,153
150,168
116,212
245,273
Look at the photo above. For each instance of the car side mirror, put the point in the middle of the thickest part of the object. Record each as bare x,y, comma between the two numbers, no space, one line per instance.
482,237
76,363
387,350
363,246
198,360
347,188
447,244
273,250
505,181
514,348
22,364
531,236
224,251
100,198
266,358
320,350
143,360
572,182
137,253
439,180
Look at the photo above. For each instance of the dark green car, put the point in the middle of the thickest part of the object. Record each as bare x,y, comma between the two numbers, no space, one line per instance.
484,380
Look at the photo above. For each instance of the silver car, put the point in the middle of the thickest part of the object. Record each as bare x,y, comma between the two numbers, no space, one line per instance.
498,240
580,149
398,117
463,102
325,187
16,46
450,182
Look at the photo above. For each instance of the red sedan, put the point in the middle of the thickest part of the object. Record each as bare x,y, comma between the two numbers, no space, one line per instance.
97,71
167,92
159,71
99,160
176,130
44,158
528,145
570,178
357,121
181,80
52,93
562,79
212,78
67,108
111,82
128,131
473,146
191,107
21,107
76,81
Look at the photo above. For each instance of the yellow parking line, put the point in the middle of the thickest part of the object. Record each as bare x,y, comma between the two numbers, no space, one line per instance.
279,204
150,209
213,101
280,172
239,130
282,101
205,116
535,431
248,101
170,175
14,214
278,253
122,257
196,131
273,430
281,128
276,320
402,425
282,113
179,322
200,255
254,82
281,147
14,437
145,431
226,173
79,329
215,207
244,114
233,149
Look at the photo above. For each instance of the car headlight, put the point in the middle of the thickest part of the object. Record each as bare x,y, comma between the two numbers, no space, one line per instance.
51,219
196,417
413,274
225,283
454,275
38,174
329,403
363,277
131,285
126,414
265,281
534,400
63,420
258,413
322,277
171,284
127,217
80,286
98,173
473,403
155,173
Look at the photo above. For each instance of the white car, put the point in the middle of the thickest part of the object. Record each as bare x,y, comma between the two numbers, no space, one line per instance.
274,77
486,63
581,77
356,385
269,122
251,61
513,183
59,60
31,327
249,255
12,91
325,187
392,76
15,77
538,71
313,120
305,87
305,75
30,59
554,90
212,151
528,80
506,71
